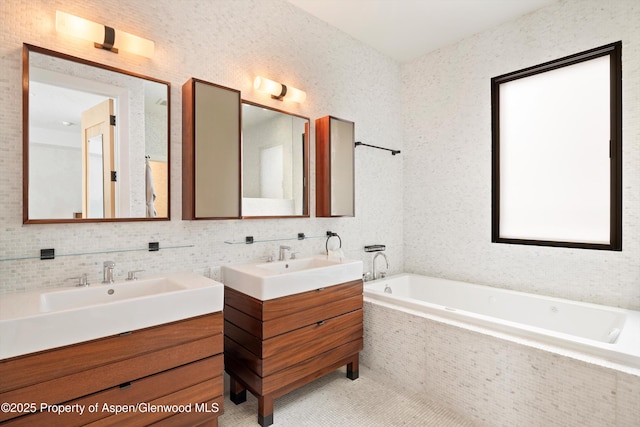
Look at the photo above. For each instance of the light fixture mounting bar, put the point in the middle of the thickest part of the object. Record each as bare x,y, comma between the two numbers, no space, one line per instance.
109,40
283,93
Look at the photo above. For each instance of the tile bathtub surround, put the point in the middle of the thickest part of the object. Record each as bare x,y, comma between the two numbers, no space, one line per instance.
492,381
227,42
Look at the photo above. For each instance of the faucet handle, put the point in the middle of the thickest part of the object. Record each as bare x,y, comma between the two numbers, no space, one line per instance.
132,275
82,280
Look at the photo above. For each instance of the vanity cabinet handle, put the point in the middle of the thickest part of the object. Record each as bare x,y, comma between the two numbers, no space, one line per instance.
320,323
125,385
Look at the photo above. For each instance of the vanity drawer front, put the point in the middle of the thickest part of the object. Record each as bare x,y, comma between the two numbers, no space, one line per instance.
319,305
312,334
138,391
308,342
313,368
89,381
204,392
286,306
111,375
320,312
295,347
36,368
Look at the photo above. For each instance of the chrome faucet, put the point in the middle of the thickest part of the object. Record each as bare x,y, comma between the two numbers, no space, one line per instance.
107,272
375,273
82,280
133,274
282,256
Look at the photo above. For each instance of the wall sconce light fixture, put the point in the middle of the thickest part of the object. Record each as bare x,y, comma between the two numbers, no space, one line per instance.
103,37
278,90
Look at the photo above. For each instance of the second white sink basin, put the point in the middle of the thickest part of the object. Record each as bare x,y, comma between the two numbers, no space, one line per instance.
296,264
265,281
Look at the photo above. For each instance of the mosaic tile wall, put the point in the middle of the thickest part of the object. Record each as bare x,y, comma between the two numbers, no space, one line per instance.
227,42
447,122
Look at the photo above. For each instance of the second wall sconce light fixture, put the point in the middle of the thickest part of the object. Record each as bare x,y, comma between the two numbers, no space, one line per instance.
279,91
103,37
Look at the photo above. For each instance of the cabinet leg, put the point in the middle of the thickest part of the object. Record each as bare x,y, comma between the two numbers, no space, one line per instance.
237,392
265,410
353,368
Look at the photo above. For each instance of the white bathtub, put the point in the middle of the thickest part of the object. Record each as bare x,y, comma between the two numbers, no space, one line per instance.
595,331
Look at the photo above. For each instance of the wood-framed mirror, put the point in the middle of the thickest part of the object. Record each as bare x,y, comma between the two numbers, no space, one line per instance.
335,167
95,141
275,162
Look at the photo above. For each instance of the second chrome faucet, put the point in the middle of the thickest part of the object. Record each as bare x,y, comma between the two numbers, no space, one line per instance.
108,272
377,274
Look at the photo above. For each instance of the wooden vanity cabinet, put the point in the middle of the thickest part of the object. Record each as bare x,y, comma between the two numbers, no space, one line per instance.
178,363
273,347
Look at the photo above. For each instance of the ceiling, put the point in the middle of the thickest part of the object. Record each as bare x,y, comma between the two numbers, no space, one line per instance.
407,29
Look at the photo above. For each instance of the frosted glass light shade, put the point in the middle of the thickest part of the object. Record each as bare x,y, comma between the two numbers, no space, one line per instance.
295,95
275,89
268,86
92,31
79,27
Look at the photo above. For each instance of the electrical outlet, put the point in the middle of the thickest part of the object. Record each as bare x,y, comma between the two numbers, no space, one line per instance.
214,273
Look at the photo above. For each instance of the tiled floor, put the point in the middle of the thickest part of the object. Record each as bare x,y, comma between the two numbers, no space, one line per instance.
335,401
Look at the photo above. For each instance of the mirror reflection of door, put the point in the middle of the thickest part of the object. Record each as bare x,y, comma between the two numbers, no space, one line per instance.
271,172
95,172
98,190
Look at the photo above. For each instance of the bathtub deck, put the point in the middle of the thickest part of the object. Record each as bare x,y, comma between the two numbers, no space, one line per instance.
336,401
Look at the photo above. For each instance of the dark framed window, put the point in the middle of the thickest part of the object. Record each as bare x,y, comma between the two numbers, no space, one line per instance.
557,152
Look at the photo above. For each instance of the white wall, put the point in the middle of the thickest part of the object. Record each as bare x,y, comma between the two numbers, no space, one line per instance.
227,42
447,170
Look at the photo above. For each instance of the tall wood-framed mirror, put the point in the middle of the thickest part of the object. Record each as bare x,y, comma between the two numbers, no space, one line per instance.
275,162
95,141
335,167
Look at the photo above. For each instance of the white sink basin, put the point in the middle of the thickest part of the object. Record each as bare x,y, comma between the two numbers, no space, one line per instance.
45,319
79,297
265,281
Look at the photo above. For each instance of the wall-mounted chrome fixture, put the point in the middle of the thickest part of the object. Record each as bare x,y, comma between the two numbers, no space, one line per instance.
103,37
331,234
279,91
